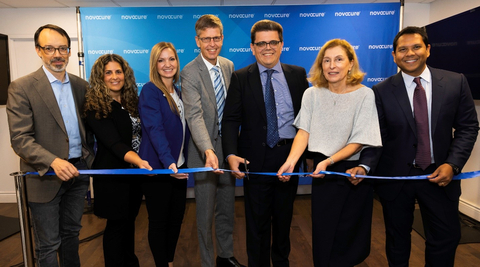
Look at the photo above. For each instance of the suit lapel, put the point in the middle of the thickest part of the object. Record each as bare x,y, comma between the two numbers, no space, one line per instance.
78,107
438,93
44,89
226,78
292,87
207,81
400,93
255,84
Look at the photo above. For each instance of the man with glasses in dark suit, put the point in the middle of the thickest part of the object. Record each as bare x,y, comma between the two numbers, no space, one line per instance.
262,102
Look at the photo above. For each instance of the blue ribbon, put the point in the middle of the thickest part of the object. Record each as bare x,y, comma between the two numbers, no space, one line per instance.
132,171
461,176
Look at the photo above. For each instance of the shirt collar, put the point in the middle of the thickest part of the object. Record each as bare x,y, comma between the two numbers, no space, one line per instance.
208,64
277,67
52,78
426,75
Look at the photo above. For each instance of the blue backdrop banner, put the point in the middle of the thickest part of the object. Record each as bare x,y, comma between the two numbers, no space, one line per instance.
132,32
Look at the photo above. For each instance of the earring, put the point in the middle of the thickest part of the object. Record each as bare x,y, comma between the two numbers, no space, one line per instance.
349,72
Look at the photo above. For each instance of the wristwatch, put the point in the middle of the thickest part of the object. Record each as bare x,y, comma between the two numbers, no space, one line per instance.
455,168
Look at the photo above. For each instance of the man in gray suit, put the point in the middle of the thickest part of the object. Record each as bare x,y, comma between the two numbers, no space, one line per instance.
204,87
47,132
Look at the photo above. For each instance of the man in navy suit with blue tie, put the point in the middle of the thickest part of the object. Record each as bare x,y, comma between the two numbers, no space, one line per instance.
262,102
429,127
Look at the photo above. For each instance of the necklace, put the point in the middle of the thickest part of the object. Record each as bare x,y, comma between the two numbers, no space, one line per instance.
335,96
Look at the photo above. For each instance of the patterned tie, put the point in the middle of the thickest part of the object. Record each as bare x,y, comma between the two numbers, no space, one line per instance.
422,158
272,124
219,95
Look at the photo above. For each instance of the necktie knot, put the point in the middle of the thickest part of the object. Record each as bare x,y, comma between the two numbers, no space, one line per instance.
418,81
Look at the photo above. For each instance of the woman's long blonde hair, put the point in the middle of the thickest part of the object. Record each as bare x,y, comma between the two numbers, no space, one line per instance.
155,77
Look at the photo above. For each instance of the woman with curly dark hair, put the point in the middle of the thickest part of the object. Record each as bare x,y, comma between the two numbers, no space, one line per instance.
164,145
112,115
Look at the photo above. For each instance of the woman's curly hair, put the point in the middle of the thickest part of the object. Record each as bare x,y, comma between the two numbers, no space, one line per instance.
98,97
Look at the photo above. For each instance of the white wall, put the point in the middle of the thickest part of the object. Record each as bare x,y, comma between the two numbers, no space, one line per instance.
20,24
441,9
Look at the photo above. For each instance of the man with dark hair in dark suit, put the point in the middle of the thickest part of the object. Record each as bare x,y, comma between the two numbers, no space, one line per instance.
262,102
418,109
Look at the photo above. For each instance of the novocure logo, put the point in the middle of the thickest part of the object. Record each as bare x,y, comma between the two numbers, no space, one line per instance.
99,52
134,17
309,48
347,14
382,13
169,16
312,15
241,16
380,79
278,15
241,49
98,17
136,51
380,46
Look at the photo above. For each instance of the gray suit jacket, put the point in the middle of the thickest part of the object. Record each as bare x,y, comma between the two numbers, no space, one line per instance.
37,130
201,107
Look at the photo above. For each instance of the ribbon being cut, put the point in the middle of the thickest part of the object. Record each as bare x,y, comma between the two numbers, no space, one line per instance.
461,176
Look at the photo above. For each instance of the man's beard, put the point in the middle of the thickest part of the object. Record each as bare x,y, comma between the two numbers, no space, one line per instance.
53,67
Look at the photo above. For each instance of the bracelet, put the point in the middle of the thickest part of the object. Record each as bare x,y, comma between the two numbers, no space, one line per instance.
331,161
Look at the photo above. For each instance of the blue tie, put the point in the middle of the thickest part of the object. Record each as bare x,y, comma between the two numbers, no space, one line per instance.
219,95
272,123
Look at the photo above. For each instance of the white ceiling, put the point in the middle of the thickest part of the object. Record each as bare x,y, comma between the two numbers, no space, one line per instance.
144,3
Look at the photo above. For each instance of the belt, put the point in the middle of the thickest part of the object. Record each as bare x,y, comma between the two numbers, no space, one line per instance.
284,142
74,160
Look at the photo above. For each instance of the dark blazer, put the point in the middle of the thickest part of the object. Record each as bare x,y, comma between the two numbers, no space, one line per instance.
162,130
114,140
245,107
37,131
452,108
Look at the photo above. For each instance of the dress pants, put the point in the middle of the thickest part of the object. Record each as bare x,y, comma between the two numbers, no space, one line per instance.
440,221
215,200
165,198
268,211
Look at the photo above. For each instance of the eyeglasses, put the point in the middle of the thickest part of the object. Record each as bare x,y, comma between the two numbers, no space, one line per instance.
264,44
207,40
50,50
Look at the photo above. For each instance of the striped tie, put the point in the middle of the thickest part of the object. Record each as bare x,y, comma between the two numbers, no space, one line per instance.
219,95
